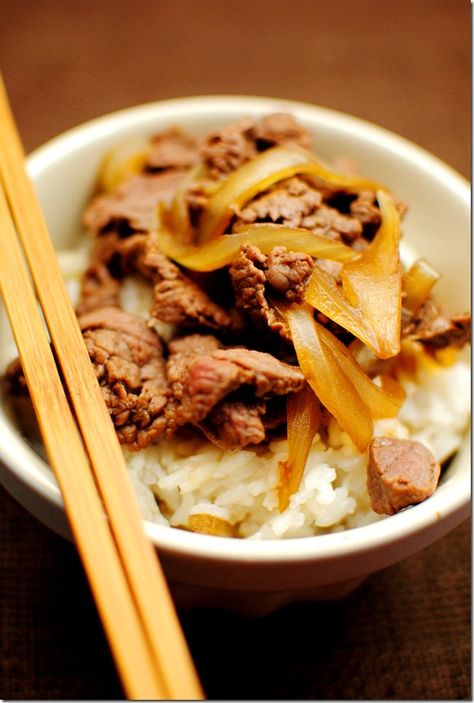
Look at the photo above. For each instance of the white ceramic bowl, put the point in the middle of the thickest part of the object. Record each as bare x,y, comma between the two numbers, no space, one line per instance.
247,575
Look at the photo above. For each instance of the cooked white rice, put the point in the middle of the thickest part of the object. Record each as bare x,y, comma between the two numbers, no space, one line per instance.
189,476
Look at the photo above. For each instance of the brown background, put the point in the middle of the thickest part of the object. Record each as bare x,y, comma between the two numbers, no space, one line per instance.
405,633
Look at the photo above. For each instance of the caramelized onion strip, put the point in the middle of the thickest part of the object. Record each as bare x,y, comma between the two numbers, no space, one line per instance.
369,304
210,525
303,418
260,173
223,250
417,284
382,402
326,377
124,160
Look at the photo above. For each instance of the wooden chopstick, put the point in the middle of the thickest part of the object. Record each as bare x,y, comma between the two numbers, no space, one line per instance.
69,461
160,625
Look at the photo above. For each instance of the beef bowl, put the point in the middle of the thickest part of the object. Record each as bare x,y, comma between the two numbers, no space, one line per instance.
236,522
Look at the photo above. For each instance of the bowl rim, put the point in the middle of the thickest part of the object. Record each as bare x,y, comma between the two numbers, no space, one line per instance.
319,547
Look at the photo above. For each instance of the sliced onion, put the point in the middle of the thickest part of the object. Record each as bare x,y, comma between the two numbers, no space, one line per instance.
382,402
392,388
326,377
210,525
223,250
303,418
324,295
369,305
367,360
373,281
260,173
126,159
418,283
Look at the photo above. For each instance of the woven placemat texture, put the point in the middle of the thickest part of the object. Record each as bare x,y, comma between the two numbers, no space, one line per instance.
404,634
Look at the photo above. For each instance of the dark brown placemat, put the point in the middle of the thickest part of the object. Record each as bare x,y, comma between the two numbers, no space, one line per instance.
403,634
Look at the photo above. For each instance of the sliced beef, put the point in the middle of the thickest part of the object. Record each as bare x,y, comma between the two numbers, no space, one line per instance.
232,424
281,274
121,256
287,273
98,288
176,298
129,365
436,329
179,300
287,203
226,150
201,380
193,344
132,205
126,256
366,210
111,259
172,149
248,279
181,351
400,473
329,222
280,128
445,331
295,203
267,375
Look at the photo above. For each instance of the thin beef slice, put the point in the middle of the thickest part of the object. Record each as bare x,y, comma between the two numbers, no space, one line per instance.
128,360
224,391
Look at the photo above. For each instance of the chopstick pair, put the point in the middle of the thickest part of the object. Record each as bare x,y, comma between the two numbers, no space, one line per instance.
127,582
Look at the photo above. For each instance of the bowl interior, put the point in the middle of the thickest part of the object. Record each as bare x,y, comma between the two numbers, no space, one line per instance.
437,225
